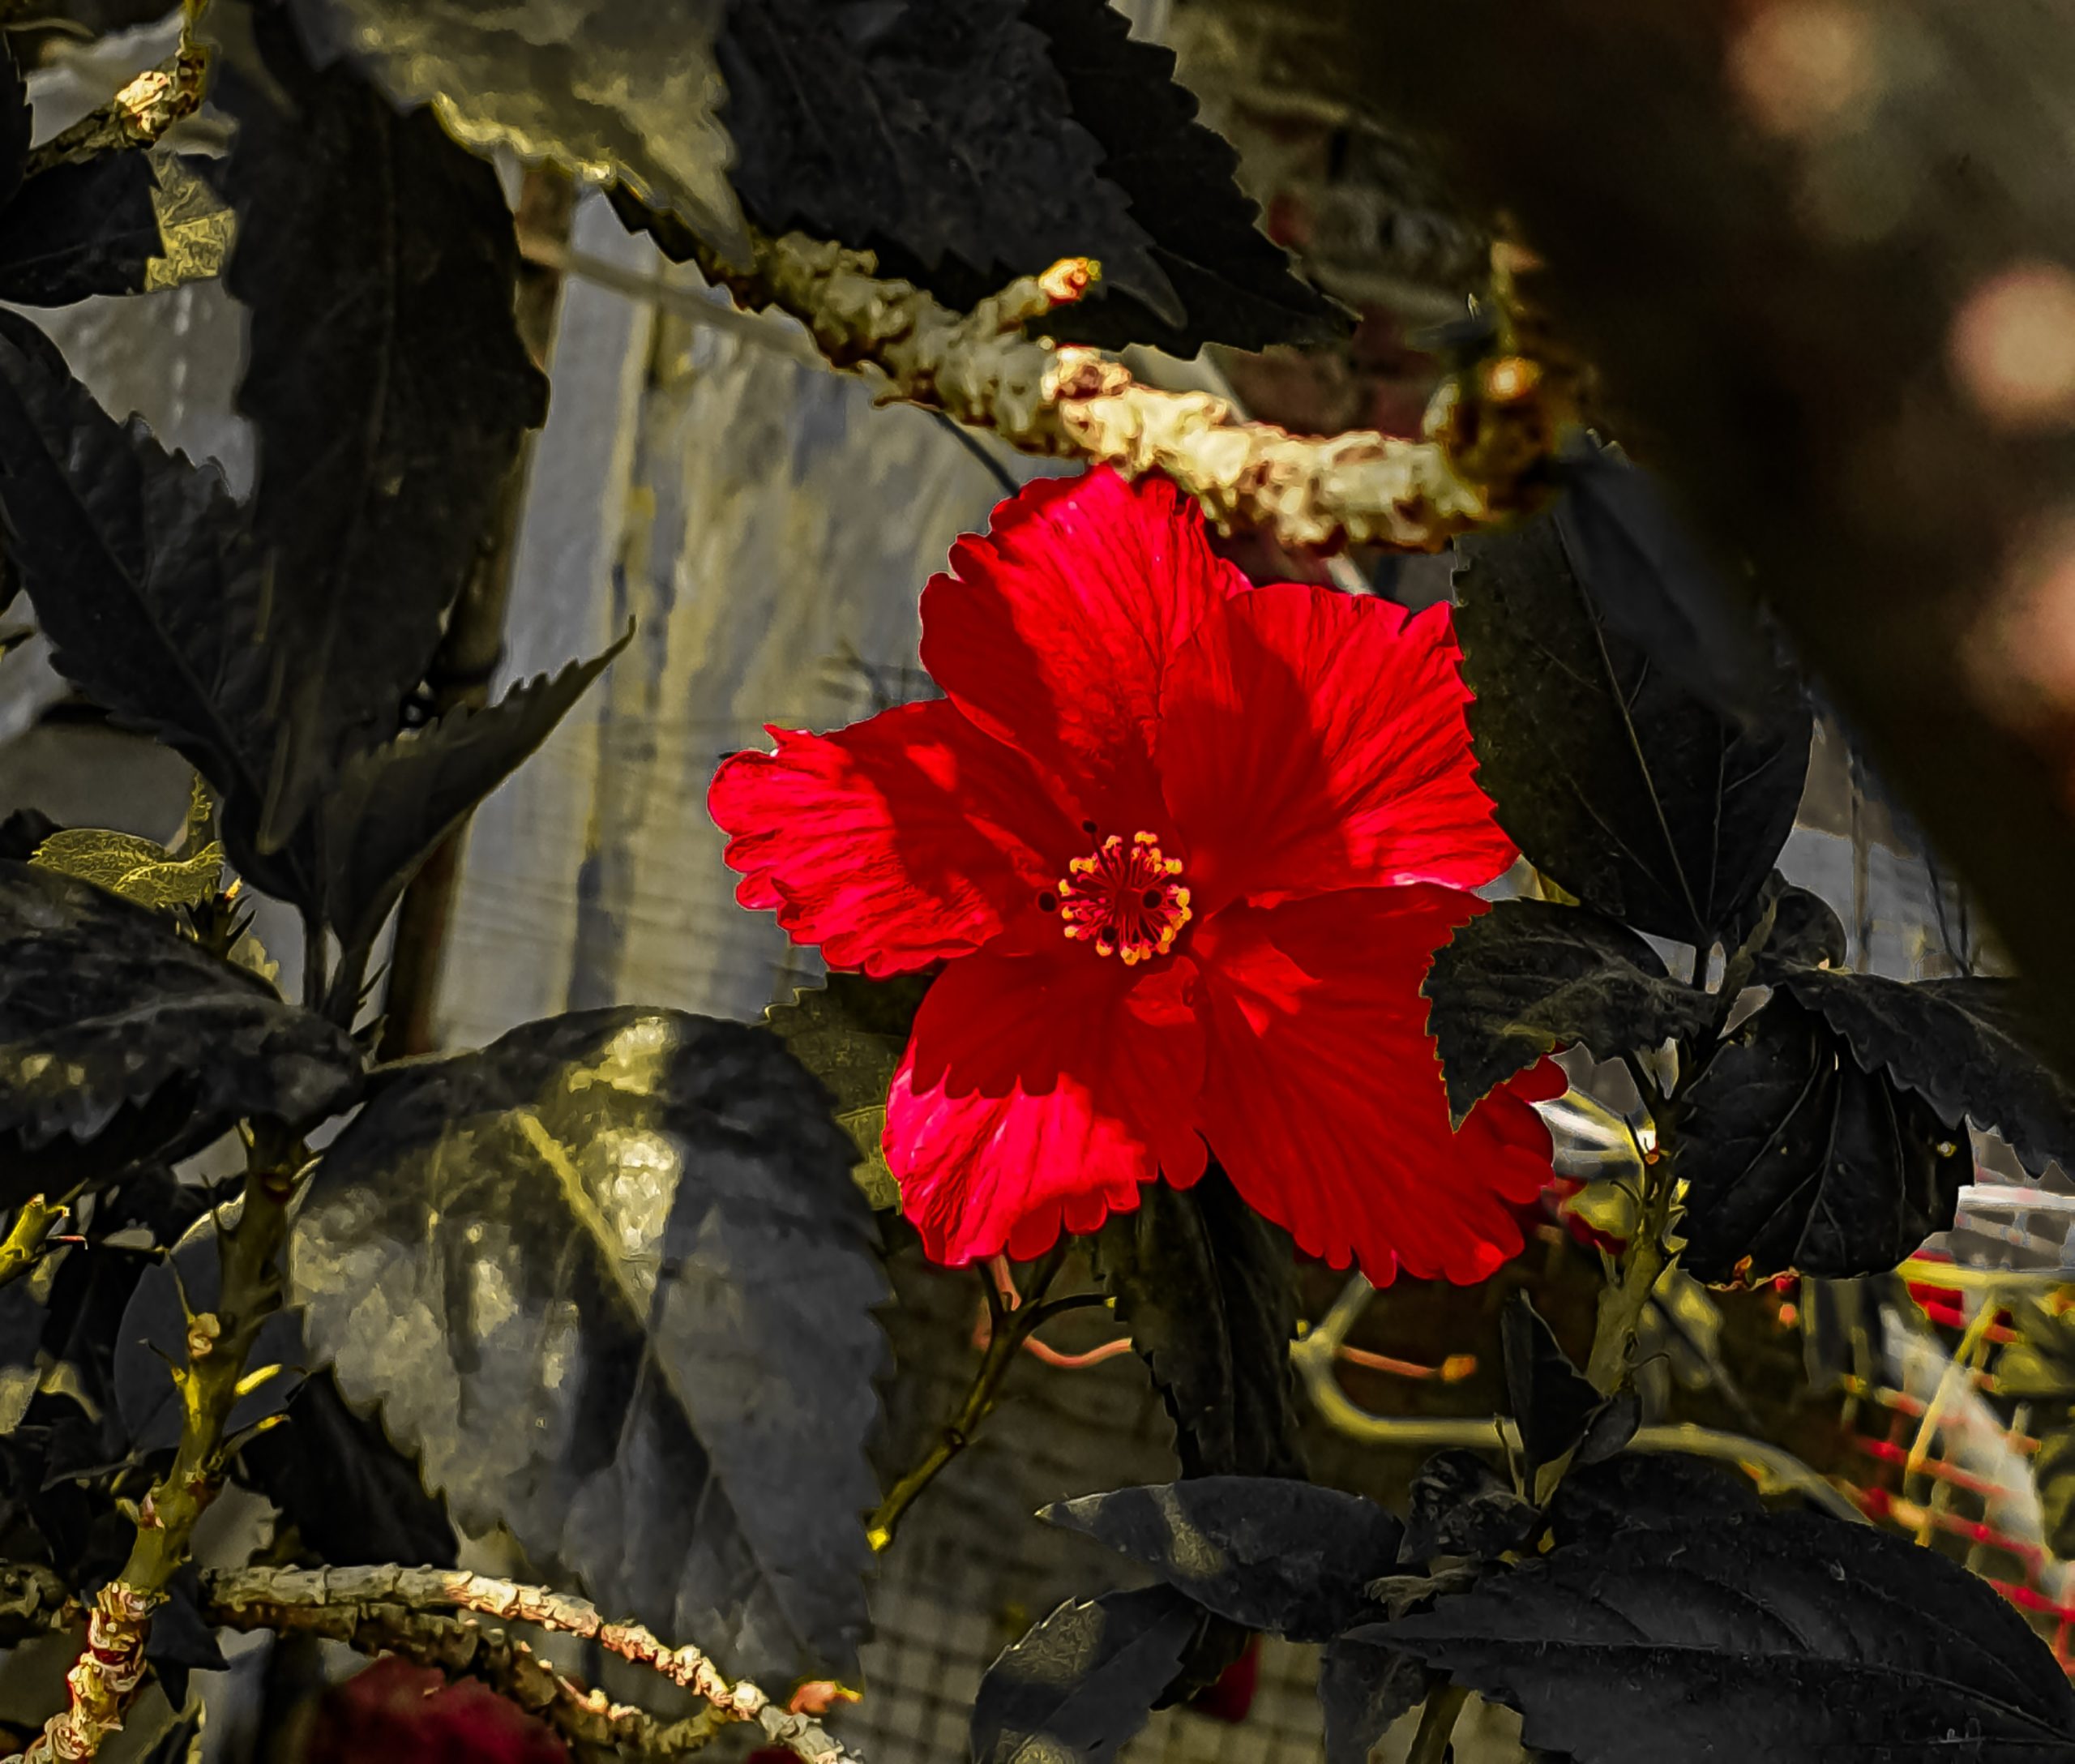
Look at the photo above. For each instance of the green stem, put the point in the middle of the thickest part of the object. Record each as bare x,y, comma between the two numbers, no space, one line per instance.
1429,1745
1622,1302
218,1343
22,1247
1011,1329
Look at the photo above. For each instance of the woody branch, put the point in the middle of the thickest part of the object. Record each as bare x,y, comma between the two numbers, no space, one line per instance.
388,1599
1486,434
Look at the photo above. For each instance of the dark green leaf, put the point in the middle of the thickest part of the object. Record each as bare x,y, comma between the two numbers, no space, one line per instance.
850,1033
1966,1046
1362,1688
1553,1403
1786,1637
927,130
1208,1288
1634,796
1796,1157
103,1004
81,227
1646,1489
386,381
1806,933
393,804
90,1295
611,1280
137,565
1460,1505
153,1340
1082,1682
1528,977
1654,584
180,1743
180,1641
22,832
1234,283
629,85
351,1497
1266,1551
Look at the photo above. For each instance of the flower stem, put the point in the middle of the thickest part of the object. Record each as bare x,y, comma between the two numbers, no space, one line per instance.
1010,1329
1429,1745
1624,1299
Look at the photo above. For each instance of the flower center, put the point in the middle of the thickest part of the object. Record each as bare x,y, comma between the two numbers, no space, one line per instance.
1127,898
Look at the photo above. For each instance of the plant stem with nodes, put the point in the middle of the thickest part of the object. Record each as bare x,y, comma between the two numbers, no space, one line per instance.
1011,1326
110,1669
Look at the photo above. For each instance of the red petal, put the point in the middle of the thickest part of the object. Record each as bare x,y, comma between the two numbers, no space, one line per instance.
893,843
1054,631
1040,1091
1323,1096
1312,741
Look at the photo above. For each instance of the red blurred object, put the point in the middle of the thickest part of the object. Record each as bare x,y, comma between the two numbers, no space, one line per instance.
1233,1695
402,1713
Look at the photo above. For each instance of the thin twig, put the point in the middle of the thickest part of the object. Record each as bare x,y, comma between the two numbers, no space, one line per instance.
1008,1330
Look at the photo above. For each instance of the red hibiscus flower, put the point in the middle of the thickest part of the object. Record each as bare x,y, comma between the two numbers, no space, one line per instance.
1187,847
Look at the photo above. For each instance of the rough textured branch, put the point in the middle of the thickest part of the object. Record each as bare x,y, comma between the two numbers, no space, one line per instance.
460,1646
1487,433
274,1597
102,1680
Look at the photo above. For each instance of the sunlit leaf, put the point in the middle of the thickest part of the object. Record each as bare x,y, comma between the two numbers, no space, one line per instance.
613,89
136,868
611,1280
